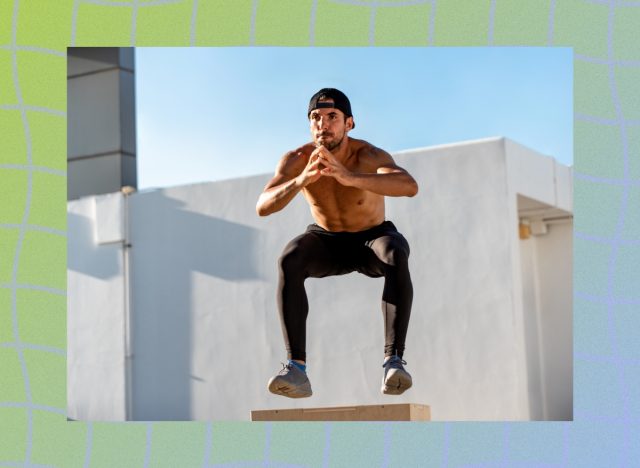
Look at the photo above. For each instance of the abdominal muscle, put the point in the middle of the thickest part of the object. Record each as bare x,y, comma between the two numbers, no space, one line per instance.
338,208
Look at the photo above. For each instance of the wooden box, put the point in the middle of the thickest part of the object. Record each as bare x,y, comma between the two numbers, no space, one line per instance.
394,412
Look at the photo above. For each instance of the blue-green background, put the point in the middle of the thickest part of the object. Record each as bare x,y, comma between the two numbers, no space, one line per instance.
34,35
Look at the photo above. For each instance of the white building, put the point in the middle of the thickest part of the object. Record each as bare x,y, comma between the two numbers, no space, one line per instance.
183,325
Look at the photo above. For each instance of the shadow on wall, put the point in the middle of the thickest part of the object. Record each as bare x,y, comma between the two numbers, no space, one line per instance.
167,237
84,256
169,244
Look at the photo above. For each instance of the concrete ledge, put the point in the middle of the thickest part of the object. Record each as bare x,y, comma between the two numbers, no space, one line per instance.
396,412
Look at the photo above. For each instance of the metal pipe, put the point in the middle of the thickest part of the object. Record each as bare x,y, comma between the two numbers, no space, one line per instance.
126,266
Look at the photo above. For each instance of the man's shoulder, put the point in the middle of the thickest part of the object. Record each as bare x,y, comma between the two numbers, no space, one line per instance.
295,158
304,150
364,149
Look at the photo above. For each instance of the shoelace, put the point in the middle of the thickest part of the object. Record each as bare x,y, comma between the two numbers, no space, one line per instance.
286,367
395,360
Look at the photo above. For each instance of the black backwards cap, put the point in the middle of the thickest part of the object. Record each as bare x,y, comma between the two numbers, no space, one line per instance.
340,101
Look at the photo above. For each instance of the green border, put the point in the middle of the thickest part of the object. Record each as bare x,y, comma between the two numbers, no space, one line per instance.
34,35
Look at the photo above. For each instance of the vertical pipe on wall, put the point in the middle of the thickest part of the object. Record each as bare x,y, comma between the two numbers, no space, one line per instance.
126,267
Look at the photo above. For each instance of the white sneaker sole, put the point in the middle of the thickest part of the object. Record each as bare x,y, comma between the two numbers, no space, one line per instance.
278,387
396,383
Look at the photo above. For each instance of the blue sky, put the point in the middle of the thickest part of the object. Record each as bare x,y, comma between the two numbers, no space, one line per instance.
207,114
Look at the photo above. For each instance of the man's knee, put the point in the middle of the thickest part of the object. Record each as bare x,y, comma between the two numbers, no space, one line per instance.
293,257
290,260
395,252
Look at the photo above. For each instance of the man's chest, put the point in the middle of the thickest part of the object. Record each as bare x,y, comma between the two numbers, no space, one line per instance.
328,194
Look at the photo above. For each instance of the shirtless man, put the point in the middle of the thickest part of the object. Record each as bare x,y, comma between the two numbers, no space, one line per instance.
344,180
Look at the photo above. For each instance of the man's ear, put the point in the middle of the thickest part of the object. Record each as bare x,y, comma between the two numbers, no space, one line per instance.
350,123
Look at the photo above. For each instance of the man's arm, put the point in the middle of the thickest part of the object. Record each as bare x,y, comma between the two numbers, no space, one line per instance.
388,180
291,176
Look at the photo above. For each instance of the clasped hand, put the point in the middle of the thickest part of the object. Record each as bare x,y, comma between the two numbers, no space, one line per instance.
323,163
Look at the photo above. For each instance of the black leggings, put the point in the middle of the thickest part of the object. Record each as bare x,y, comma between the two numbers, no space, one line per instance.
376,252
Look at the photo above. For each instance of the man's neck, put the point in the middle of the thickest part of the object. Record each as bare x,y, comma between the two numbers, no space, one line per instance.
342,152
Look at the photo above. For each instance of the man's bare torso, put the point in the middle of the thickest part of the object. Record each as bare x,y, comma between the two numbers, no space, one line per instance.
336,207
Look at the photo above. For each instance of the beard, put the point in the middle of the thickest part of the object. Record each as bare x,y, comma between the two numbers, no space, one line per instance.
330,145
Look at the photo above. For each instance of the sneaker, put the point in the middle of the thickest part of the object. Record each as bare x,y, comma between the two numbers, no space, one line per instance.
291,382
395,380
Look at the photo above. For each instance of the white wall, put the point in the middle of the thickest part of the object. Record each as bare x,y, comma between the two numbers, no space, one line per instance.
556,305
542,271
547,277
95,319
206,335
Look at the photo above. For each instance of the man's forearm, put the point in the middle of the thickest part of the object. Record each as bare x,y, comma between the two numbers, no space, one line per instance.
276,198
391,184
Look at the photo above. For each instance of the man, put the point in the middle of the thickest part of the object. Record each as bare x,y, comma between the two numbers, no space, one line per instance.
344,180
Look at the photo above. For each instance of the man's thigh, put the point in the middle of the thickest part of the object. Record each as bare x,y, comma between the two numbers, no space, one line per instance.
381,252
317,255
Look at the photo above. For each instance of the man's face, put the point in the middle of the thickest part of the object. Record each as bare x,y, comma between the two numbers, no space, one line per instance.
329,126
